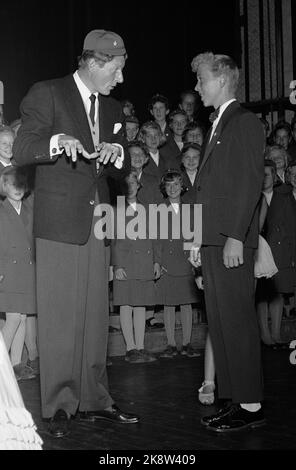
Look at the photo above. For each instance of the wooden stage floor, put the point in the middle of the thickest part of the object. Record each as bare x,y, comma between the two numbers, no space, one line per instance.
164,395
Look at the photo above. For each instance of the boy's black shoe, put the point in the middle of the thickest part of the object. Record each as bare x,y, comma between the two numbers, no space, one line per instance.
237,419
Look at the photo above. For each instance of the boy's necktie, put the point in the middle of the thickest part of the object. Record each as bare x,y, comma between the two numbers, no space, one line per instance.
214,115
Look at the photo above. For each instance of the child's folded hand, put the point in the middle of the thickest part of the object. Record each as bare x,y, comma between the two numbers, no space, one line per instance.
120,274
157,271
194,257
199,282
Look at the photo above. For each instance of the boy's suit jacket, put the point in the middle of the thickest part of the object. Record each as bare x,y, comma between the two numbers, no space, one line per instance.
65,191
230,201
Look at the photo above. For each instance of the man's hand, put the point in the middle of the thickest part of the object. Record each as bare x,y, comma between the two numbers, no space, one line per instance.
194,256
233,253
120,274
72,146
108,152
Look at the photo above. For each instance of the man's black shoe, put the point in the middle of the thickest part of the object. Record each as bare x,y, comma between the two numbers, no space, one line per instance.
207,420
150,325
237,419
115,415
59,425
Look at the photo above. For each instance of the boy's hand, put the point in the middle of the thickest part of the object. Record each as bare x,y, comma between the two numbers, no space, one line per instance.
233,253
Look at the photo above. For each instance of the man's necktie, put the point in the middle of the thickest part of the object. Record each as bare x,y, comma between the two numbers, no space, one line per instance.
92,108
214,115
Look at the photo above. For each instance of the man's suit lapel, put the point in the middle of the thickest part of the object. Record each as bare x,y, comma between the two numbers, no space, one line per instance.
76,108
209,147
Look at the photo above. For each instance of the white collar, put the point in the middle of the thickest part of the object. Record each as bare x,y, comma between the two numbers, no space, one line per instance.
223,107
83,90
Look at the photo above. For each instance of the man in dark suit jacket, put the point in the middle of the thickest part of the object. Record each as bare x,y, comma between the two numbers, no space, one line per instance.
73,129
229,183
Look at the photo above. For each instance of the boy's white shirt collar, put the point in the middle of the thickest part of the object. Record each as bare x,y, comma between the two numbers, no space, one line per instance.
221,111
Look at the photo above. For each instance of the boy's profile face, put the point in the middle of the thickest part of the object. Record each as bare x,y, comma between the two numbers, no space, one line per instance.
208,86
12,191
190,159
138,157
6,143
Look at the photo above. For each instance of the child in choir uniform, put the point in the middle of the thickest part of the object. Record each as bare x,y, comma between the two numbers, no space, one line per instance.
17,265
136,265
190,157
176,286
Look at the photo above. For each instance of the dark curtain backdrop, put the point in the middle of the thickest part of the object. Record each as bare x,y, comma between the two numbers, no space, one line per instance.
42,39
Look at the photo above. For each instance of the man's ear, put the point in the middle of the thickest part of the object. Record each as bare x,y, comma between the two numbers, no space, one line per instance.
92,64
222,81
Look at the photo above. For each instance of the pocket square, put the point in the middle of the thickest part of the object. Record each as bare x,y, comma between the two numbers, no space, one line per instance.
117,127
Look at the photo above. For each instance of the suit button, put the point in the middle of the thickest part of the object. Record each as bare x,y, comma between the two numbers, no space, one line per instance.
279,243
198,188
92,202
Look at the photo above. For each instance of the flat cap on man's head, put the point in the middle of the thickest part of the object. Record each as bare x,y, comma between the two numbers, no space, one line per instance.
105,42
